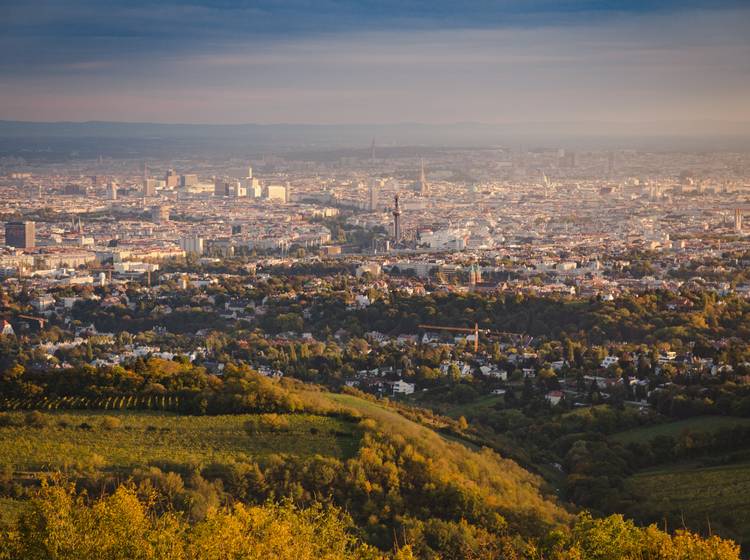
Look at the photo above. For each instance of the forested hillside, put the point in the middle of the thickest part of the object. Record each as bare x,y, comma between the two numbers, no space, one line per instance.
210,486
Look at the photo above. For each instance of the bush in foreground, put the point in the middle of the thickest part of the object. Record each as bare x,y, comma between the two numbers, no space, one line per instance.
64,525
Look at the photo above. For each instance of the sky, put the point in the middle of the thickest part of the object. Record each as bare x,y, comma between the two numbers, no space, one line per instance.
387,61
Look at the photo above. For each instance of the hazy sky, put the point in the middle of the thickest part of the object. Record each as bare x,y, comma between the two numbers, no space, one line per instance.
337,61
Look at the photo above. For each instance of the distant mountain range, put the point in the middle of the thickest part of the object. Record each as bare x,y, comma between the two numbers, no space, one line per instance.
121,138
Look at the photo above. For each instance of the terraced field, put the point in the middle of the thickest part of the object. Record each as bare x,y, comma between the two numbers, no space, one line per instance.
710,499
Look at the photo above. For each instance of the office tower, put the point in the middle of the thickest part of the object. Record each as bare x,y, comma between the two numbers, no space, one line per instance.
421,186
21,235
149,188
237,189
738,220
221,187
276,193
171,179
229,187
192,245
396,220
188,180
112,190
149,185
252,187
372,201
160,214
610,163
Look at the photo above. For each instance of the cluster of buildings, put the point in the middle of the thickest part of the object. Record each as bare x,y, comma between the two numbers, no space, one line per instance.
571,220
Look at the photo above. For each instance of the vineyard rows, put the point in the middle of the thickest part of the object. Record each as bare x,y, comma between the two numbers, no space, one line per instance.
95,403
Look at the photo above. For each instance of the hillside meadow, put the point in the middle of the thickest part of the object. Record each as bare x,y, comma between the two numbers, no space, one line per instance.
125,440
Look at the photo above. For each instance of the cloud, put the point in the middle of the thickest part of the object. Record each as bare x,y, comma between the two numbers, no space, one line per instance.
311,62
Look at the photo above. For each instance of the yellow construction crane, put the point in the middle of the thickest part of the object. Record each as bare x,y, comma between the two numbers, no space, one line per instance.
475,330
41,320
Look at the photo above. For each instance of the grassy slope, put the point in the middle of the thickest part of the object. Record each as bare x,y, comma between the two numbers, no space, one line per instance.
697,424
501,481
475,407
151,437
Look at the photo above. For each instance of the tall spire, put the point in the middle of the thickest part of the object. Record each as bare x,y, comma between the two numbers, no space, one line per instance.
396,219
424,188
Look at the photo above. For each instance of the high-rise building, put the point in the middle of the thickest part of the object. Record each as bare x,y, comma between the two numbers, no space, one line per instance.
188,180
738,220
149,187
229,187
256,190
192,245
112,190
221,187
21,235
396,219
171,179
238,189
277,193
160,214
250,186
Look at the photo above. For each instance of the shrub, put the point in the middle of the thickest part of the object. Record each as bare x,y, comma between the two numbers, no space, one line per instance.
274,423
111,423
8,420
35,419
